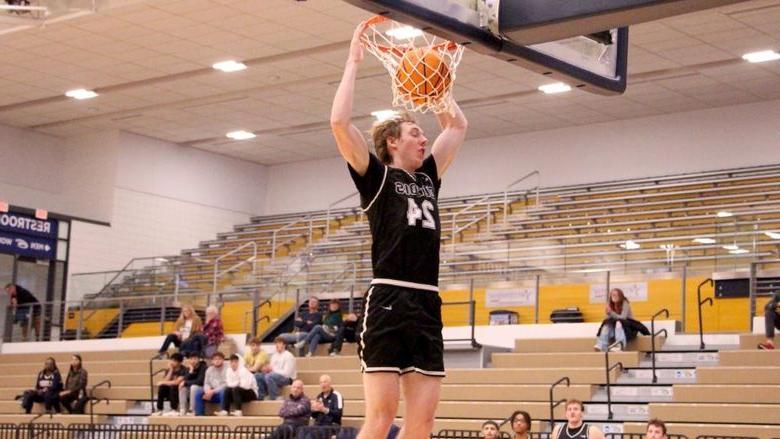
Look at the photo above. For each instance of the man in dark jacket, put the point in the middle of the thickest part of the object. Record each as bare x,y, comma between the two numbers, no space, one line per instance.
304,323
329,405
295,412
25,308
196,375
771,321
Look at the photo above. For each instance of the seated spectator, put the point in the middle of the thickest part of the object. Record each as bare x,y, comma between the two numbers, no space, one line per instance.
490,430
47,389
574,427
617,311
329,405
74,396
656,429
771,321
213,331
214,385
295,412
168,388
196,375
304,323
348,332
521,424
26,307
327,331
258,362
241,387
282,370
186,335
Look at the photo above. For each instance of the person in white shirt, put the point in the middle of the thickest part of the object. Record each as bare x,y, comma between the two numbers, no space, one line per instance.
282,369
241,387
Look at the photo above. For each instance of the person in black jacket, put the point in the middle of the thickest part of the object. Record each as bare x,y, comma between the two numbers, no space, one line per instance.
25,308
196,375
304,323
74,396
771,321
328,407
47,389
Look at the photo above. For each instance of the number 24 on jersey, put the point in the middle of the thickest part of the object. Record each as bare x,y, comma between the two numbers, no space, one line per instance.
423,212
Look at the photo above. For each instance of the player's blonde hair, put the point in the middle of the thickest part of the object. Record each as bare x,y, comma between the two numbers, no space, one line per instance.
381,131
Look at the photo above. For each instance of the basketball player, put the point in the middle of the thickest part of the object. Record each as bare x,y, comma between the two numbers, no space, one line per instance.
401,343
574,427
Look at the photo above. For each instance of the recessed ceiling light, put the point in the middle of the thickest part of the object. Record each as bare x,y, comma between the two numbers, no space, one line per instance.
731,247
667,246
383,115
557,87
404,32
240,135
762,56
773,235
229,66
704,240
81,94
724,214
739,251
630,245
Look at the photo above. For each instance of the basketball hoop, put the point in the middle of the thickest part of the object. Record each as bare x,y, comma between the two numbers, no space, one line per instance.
421,67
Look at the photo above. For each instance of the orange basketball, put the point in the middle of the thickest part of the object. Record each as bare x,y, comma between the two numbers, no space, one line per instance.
423,74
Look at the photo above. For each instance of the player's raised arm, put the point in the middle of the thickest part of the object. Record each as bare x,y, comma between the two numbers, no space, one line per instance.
454,126
349,139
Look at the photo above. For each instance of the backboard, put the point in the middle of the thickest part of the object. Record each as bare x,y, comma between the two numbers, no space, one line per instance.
581,42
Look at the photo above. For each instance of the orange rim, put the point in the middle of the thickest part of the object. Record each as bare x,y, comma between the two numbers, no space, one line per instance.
447,46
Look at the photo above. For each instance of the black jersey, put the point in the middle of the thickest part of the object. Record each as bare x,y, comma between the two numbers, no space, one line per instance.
580,432
403,216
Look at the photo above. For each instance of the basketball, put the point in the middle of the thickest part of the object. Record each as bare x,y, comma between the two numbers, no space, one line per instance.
422,73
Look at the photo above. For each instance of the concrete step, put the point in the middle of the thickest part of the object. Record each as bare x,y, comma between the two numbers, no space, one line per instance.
556,359
738,375
117,407
627,393
681,359
716,413
580,344
694,430
726,393
665,376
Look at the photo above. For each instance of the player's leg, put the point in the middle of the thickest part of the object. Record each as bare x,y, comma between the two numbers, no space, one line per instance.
381,393
421,397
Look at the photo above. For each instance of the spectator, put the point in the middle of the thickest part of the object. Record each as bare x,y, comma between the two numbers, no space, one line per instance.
304,323
74,396
47,388
213,331
521,424
574,427
295,412
618,310
168,388
327,331
25,308
329,405
771,321
490,430
347,332
257,361
214,385
196,375
656,429
186,327
241,387
282,370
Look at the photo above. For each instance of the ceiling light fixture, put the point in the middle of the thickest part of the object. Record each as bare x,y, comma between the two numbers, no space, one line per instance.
731,247
240,135
229,66
762,56
773,235
383,115
630,245
557,87
704,240
81,94
724,214
739,251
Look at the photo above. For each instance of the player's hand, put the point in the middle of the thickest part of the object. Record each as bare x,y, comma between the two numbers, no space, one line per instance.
356,51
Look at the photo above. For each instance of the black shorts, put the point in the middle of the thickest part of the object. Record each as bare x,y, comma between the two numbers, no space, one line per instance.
401,331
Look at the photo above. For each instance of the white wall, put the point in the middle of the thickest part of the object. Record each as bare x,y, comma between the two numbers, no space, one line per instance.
686,142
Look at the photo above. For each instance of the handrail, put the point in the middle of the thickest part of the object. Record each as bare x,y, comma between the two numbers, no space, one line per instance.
518,181
153,374
553,403
255,321
699,303
330,207
652,337
472,306
470,206
252,244
607,370
283,228
31,433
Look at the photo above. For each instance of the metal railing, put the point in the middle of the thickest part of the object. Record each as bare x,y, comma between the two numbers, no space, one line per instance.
553,402
608,370
252,259
330,209
456,230
518,181
699,303
94,400
276,232
653,334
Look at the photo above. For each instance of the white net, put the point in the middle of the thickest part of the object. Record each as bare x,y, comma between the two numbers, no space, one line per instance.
421,66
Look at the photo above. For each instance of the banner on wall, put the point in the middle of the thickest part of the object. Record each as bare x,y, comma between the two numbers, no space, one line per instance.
499,298
27,236
635,292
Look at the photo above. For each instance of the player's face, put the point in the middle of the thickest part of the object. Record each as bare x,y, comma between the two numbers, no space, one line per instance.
574,414
411,145
654,432
519,425
489,432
